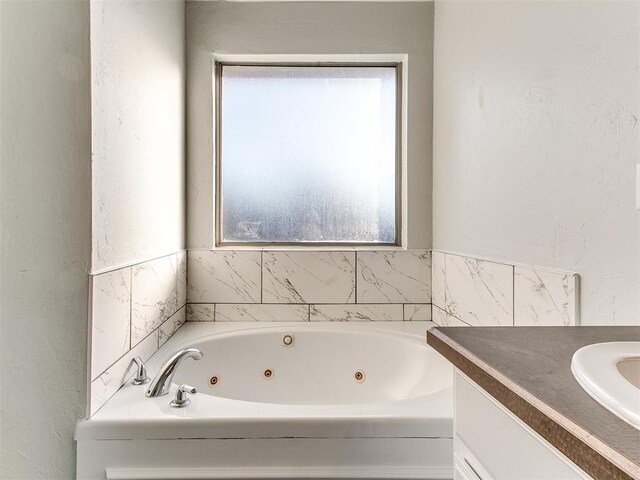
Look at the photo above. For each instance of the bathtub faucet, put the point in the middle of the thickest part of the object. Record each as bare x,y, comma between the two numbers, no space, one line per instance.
162,382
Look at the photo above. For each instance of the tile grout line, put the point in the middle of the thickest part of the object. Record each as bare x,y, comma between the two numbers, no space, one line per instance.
444,274
130,307
304,303
177,278
186,280
129,351
355,270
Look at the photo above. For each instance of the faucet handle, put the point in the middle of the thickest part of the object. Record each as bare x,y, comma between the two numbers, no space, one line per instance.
141,372
181,399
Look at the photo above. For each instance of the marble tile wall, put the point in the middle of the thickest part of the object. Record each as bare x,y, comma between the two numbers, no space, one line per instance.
545,298
335,286
134,310
470,291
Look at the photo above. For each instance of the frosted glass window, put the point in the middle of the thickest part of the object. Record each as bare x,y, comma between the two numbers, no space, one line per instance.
308,154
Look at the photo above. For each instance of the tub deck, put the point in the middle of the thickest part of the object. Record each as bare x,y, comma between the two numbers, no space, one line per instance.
130,415
133,437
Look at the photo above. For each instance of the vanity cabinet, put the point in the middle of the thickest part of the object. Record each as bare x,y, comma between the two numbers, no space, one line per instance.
490,443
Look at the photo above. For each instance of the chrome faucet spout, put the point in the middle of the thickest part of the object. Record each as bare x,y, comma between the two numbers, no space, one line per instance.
162,382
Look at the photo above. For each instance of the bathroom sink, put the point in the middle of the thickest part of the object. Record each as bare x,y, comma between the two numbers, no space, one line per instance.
610,373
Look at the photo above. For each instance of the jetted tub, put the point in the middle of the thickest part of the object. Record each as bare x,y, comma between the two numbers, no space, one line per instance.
342,400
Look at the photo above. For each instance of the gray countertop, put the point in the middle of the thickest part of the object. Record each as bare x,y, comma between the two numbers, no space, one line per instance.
536,362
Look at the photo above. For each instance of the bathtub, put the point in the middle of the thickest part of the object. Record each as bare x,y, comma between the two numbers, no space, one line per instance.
283,400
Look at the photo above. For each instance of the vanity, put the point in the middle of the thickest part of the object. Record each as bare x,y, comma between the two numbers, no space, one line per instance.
520,413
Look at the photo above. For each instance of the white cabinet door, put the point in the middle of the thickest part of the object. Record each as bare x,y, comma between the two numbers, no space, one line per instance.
466,466
496,445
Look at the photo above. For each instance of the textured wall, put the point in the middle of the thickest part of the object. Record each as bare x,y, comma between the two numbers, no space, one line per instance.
536,140
45,195
137,56
330,28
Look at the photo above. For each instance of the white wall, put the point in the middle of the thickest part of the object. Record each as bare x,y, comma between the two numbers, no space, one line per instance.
137,74
289,28
45,217
536,141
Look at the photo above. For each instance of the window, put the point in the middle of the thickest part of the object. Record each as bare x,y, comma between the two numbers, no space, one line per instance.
308,154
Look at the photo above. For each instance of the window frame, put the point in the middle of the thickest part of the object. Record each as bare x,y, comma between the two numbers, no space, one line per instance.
217,152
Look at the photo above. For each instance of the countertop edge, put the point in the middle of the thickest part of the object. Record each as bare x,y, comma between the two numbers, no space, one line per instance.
583,448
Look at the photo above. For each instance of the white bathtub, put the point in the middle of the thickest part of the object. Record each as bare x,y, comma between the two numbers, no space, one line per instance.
344,401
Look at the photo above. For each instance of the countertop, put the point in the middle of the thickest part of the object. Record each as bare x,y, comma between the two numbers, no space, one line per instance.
528,370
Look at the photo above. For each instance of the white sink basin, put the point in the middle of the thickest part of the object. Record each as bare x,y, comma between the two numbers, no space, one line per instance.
610,373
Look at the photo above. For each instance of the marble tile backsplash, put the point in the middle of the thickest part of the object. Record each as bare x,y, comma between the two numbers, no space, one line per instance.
444,319
308,277
417,313
437,278
479,292
224,277
134,310
394,277
470,291
337,286
154,296
230,312
111,325
544,298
